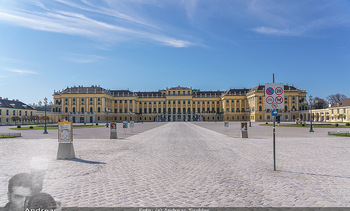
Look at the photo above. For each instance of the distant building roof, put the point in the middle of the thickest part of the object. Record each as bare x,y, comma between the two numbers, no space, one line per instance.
237,92
209,93
345,102
5,103
262,87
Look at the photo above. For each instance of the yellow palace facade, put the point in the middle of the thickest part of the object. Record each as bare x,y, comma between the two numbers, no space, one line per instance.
96,104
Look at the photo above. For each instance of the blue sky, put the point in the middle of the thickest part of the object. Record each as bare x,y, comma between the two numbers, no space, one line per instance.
150,45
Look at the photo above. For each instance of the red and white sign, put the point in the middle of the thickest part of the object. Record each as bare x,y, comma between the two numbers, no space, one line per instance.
274,96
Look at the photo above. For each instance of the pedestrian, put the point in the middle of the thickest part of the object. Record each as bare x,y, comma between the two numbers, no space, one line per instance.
20,186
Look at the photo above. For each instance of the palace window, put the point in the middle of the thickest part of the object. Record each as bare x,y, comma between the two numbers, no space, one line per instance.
233,109
237,100
198,110
120,101
145,110
178,110
98,109
178,92
66,110
14,113
120,110
260,108
98,99
125,110
150,110
183,92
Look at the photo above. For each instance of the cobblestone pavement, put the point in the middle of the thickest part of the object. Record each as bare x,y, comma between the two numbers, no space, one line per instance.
182,164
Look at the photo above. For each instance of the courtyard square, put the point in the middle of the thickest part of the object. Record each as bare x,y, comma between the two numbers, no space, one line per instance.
187,164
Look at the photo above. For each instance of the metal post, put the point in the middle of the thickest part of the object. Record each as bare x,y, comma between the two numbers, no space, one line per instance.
310,100
274,134
45,129
274,143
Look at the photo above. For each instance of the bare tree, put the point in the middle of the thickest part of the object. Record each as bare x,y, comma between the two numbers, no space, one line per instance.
319,103
333,99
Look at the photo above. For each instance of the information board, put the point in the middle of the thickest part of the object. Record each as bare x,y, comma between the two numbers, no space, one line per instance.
65,132
131,124
125,124
274,96
113,127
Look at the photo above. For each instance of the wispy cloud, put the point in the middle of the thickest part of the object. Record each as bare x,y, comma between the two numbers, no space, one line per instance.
22,72
278,32
84,18
293,19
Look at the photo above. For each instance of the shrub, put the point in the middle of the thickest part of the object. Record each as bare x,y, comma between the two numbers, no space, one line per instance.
337,125
96,123
303,125
31,127
18,126
347,124
267,123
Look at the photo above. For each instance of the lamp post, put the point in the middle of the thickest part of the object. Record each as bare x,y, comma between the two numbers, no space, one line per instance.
45,104
310,100
107,111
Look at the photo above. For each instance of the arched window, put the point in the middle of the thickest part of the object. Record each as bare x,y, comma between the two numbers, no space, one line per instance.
82,109
285,108
260,108
66,110
73,109
91,109
98,109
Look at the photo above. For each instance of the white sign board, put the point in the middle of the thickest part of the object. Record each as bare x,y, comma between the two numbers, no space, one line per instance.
274,96
65,132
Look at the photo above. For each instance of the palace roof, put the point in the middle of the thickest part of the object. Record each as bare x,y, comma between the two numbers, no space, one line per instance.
5,103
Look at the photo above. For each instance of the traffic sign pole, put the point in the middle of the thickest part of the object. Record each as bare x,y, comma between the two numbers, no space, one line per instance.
274,143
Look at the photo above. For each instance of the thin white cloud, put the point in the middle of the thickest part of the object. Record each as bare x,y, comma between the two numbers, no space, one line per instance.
278,32
88,20
289,18
22,72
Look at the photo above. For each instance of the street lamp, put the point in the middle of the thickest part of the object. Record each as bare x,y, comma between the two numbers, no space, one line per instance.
45,104
107,111
310,100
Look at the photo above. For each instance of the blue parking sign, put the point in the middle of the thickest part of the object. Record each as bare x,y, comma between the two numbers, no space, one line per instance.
274,113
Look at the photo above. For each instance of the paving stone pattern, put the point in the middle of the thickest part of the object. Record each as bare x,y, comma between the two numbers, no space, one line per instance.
183,164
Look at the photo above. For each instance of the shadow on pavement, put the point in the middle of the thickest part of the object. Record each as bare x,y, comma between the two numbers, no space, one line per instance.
314,174
86,161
